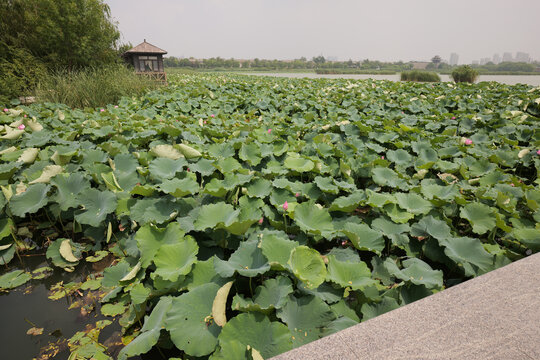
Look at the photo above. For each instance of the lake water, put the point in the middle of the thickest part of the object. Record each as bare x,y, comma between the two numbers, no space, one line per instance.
504,79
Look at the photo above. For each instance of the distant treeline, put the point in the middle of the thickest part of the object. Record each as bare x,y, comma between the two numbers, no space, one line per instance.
322,66
318,62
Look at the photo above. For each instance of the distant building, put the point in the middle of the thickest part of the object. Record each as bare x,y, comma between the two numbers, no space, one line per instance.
496,59
484,61
523,57
147,60
419,65
507,57
454,59
475,62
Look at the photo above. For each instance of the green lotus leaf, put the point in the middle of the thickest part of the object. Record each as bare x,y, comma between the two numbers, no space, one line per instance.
348,203
388,177
180,187
188,151
480,216
355,275
400,157
154,210
7,227
327,292
429,226
113,309
204,167
530,237
419,273
257,331
251,153
203,272
259,187
68,187
96,205
413,203
305,317
143,190
432,190
388,227
228,165
308,266
248,260
14,279
299,164
166,151
212,215
150,331
314,220
54,254
231,350
34,198
341,308
378,200
114,274
465,249
189,323
272,294
249,214
326,184
397,214
276,247
364,238
165,168
7,170
173,260
370,311
337,325
150,239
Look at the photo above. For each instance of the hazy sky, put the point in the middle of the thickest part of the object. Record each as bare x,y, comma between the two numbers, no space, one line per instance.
387,30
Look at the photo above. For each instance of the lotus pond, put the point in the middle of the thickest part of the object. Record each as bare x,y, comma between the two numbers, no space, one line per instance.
233,217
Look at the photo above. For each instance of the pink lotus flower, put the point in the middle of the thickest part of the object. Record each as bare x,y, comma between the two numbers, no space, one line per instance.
382,157
468,142
6,110
116,106
538,152
101,110
453,118
21,127
512,185
297,194
205,121
269,131
212,116
24,115
285,206
261,221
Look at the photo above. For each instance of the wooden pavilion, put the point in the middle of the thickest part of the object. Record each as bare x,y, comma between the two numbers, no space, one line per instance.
147,60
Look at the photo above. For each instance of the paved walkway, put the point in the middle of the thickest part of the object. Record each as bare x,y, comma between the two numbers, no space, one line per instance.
494,316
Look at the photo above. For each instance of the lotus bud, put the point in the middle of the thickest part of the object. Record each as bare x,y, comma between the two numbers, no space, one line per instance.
523,152
285,206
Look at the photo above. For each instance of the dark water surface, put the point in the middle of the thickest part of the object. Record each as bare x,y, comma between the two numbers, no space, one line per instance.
29,304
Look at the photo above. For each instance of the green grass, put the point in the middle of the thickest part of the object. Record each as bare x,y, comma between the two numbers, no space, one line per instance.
92,87
420,76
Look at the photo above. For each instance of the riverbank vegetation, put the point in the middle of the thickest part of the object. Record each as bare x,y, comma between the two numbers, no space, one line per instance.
464,74
420,76
40,39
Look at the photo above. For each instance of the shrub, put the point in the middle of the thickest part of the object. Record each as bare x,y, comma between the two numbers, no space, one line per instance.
91,87
464,73
19,73
421,76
